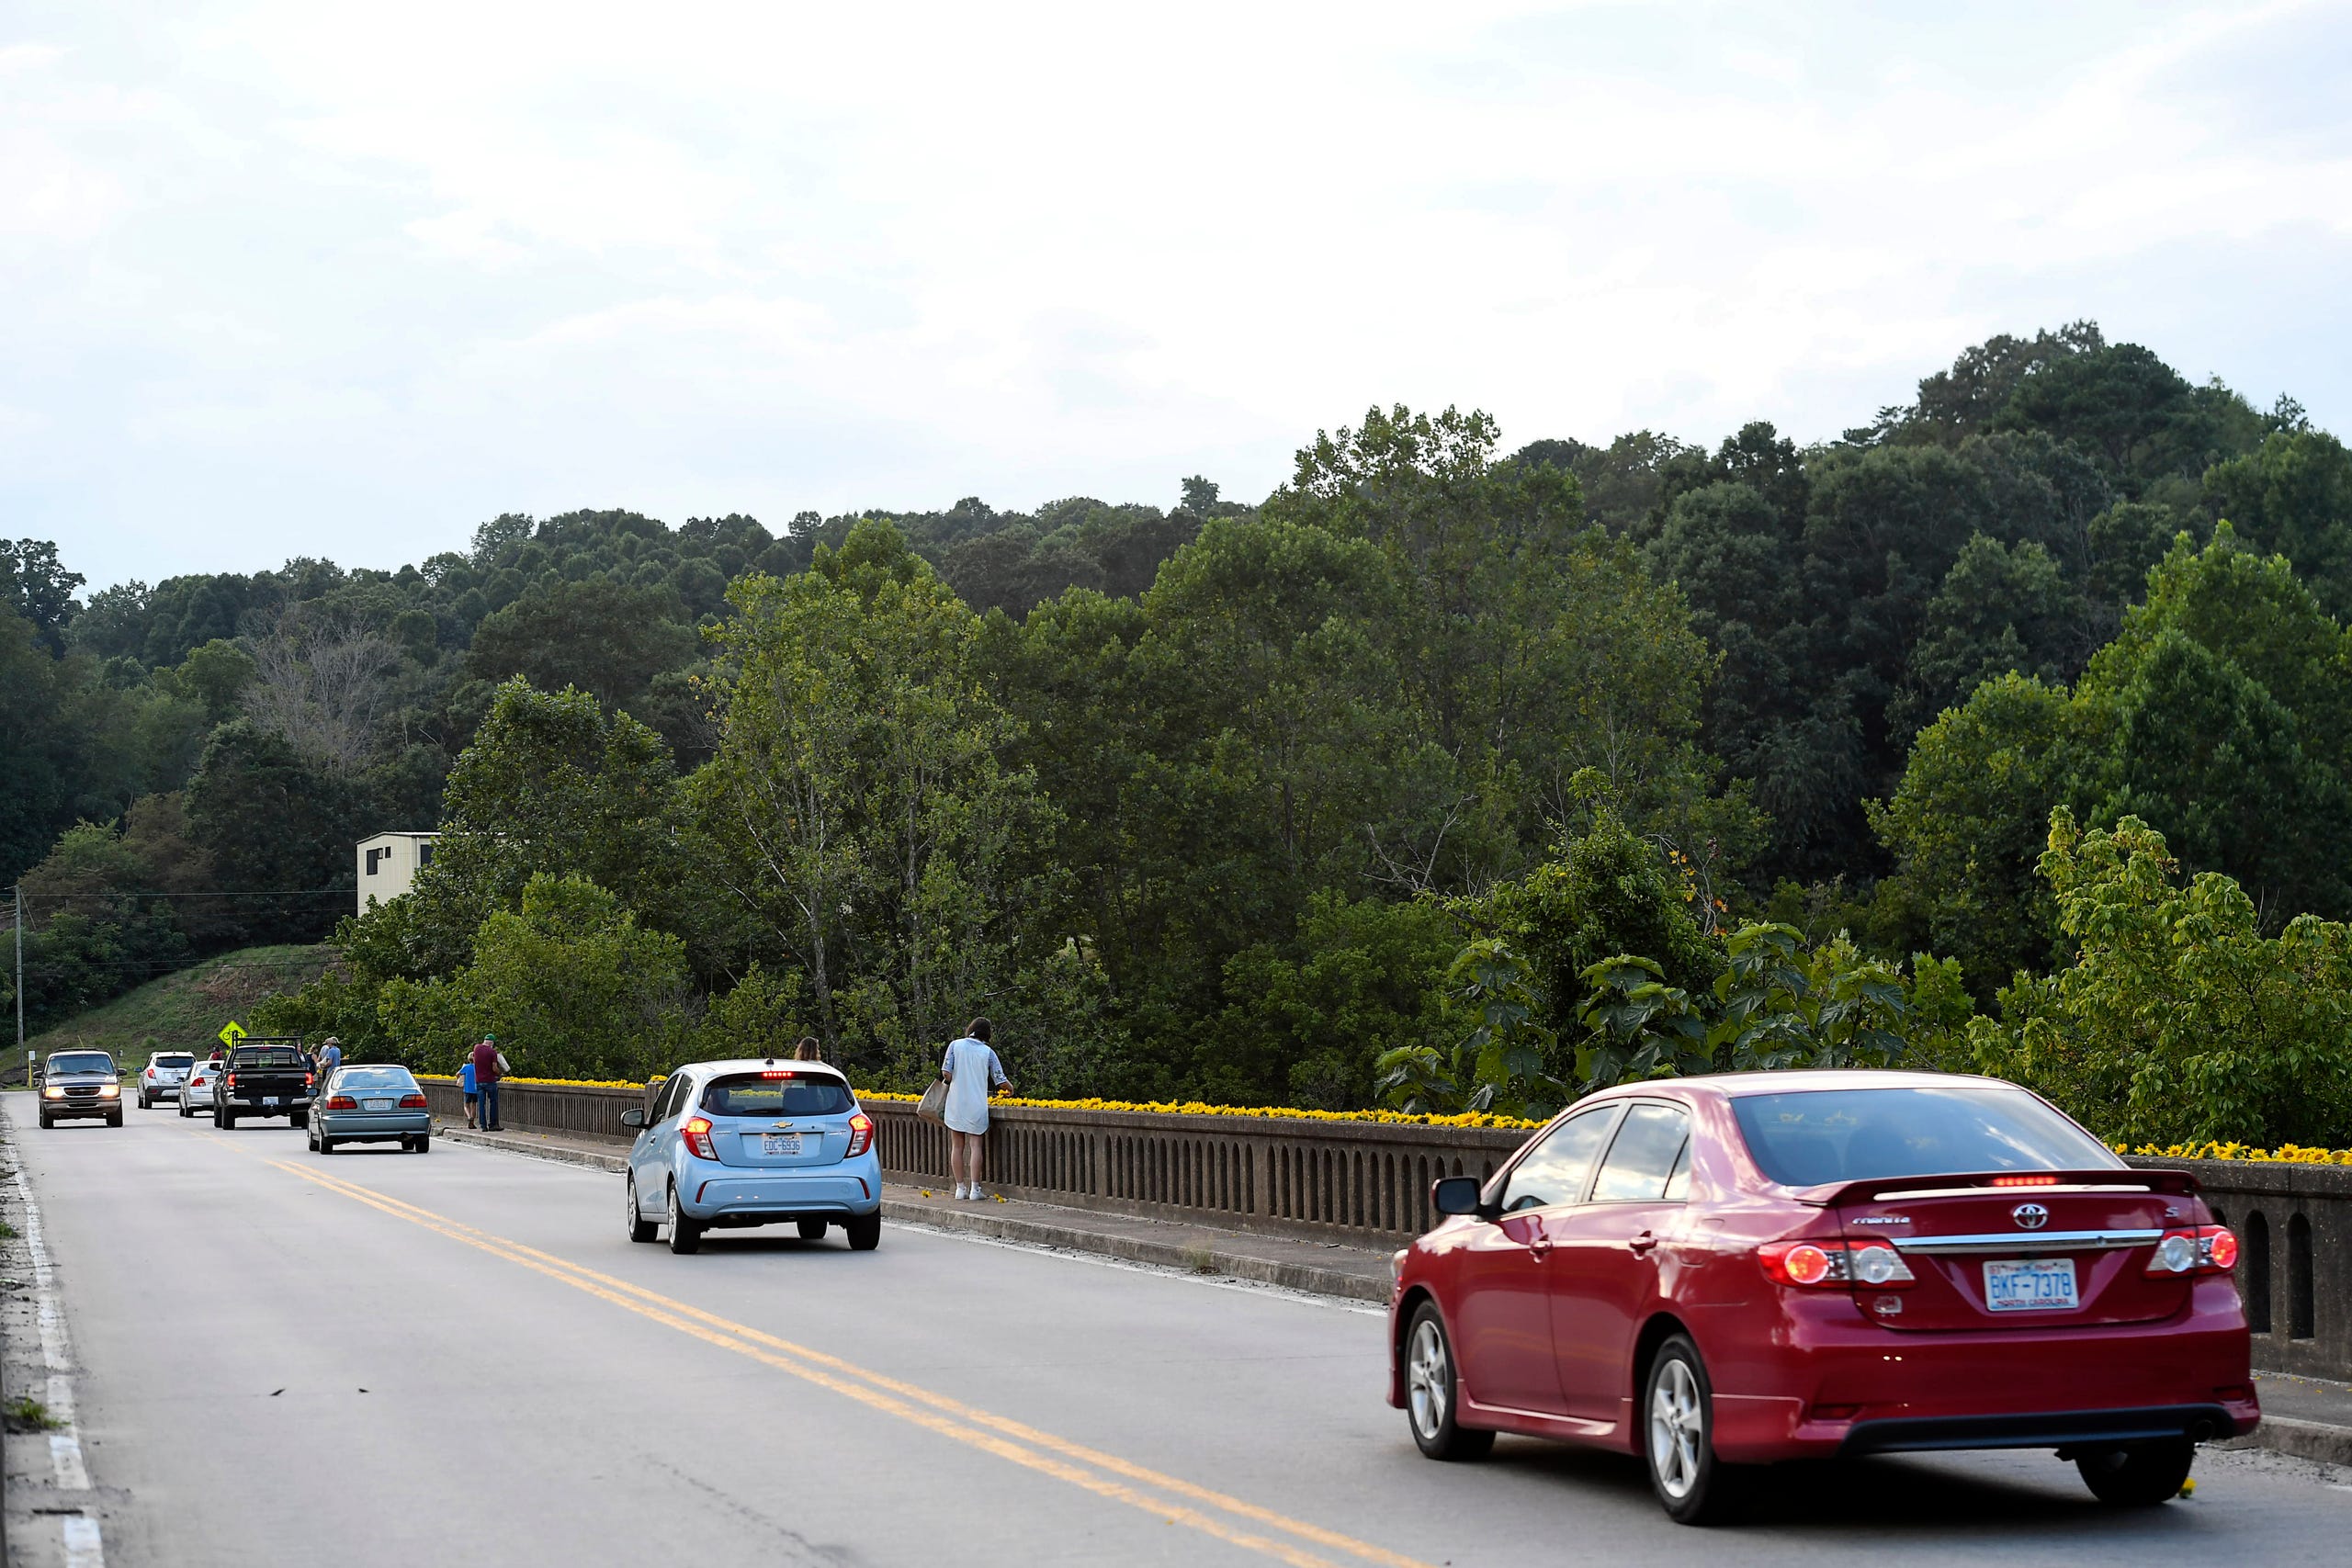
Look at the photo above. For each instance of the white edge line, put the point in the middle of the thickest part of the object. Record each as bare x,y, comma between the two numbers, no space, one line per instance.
85,1544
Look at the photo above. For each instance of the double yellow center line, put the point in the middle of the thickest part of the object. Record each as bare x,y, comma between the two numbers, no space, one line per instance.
1168,1498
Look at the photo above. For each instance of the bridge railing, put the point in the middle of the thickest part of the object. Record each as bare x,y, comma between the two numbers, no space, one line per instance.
1367,1184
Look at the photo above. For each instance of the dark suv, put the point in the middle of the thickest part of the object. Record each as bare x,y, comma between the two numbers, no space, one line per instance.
80,1085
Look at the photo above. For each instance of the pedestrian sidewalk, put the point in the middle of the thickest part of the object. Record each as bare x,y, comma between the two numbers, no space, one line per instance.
2309,1418
1328,1268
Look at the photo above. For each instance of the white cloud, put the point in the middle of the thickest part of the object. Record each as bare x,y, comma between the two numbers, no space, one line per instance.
453,260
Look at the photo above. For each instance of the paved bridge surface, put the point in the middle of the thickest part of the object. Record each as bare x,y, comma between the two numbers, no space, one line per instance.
270,1356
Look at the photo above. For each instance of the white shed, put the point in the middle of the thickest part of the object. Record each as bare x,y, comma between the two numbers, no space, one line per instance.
389,863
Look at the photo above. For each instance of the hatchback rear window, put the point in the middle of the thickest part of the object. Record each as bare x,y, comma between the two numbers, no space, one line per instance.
175,1061
751,1094
1812,1137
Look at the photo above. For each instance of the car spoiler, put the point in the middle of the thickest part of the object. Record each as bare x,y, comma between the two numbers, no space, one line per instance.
1832,1193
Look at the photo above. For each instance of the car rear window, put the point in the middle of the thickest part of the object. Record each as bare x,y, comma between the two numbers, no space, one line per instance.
753,1094
82,1062
175,1061
269,1056
373,1077
1812,1137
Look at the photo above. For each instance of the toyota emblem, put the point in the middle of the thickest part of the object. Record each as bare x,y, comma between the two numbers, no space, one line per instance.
2030,1216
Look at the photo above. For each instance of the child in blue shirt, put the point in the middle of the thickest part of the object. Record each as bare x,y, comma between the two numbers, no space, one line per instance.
465,1085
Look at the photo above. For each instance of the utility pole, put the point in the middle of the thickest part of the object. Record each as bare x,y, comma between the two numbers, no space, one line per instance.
20,982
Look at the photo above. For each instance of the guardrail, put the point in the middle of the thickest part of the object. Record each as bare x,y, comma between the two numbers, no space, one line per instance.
1367,1183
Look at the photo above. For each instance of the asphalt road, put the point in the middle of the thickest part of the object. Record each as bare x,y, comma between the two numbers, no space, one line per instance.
389,1359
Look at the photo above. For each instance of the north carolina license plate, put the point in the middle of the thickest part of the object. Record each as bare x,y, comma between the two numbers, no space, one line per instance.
376,1105
779,1143
2033,1285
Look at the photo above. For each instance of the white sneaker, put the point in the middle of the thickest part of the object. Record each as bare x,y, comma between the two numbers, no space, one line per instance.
959,1191
975,1195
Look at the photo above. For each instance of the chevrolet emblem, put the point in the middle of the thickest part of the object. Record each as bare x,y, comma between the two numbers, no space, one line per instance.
782,1126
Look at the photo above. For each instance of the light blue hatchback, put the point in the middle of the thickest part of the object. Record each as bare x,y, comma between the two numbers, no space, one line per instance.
754,1142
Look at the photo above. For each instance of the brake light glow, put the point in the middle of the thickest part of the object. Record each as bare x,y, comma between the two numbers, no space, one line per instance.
1834,1264
231,1080
696,1133
2025,1181
772,1076
412,1103
2208,1249
861,1134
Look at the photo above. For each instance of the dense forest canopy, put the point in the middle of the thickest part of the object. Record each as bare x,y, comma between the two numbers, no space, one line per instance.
1283,802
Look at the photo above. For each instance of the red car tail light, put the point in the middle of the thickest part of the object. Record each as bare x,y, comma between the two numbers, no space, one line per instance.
2025,1181
2208,1249
342,1102
861,1135
1834,1264
231,1081
412,1103
309,1080
696,1133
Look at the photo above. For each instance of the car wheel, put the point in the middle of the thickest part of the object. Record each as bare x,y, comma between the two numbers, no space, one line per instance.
45,1122
229,1120
811,1230
326,1144
114,1120
1431,1391
144,1103
1678,1437
864,1232
2138,1477
686,1236
639,1227
186,1111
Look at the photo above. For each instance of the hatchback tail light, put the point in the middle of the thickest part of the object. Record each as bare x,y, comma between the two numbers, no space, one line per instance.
2208,1249
696,1133
1834,1265
412,1103
861,1134
342,1102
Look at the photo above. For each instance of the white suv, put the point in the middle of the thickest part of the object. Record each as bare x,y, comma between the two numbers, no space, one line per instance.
166,1077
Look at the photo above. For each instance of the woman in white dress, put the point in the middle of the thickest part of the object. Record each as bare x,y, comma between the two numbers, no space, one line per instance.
972,1071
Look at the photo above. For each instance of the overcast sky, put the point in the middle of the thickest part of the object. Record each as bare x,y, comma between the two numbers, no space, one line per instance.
310,278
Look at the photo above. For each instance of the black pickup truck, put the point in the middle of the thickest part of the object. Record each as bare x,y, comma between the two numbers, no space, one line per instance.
267,1077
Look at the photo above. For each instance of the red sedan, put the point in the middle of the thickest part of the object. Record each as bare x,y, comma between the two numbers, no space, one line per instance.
1720,1273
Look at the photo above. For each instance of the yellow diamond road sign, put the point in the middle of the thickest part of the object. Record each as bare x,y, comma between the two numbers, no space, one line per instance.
230,1033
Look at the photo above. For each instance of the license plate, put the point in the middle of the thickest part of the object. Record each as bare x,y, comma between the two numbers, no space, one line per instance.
376,1105
779,1143
2035,1285
269,1100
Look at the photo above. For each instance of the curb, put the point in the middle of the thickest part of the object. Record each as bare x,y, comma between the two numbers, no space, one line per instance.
506,1144
2317,1440
1193,1258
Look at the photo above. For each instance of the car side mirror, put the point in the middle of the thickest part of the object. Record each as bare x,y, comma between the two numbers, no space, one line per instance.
1455,1195
633,1117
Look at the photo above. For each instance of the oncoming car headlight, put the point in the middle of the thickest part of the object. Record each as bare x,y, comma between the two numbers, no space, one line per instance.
109,1090
52,1092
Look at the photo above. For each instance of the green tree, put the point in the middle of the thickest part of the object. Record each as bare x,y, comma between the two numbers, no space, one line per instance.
607,638
859,812
2179,1021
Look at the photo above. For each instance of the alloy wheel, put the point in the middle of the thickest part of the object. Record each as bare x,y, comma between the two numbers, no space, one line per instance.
1428,1382
1677,1428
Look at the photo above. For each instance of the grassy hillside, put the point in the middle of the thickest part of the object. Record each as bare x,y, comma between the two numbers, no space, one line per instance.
184,1009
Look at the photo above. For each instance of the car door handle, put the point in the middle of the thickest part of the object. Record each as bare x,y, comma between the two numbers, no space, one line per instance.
1539,1249
1642,1242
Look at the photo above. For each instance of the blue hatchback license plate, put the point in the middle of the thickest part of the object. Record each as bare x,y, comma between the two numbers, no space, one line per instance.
775,1143
2031,1285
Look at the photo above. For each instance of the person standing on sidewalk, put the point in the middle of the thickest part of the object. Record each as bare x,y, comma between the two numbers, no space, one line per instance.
466,1088
323,1067
972,1071
489,1066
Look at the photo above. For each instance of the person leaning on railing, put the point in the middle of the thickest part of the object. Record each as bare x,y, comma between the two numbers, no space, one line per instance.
972,1071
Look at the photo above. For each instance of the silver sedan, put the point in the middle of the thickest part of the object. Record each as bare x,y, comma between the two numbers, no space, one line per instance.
372,1105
